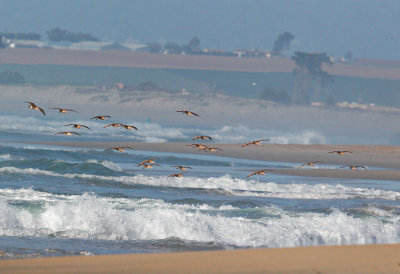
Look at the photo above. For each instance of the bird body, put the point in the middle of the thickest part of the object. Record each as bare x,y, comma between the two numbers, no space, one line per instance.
340,152
257,142
199,146
354,167
78,126
212,149
68,133
187,112
121,149
113,125
148,165
128,127
259,172
177,175
202,137
35,107
308,164
149,161
183,168
64,110
101,117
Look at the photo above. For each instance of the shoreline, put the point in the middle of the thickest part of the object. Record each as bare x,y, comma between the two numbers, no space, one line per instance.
375,156
382,258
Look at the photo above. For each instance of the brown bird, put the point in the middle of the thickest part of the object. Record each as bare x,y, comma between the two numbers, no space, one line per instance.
177,175
183,168
121,149
340,152
35,107
259,172
78,126
148,165
101,117
149,161
202,137
212,149
308,164
257,142
113,125
68,133
64,110
354,167
199,146
187,112
128,127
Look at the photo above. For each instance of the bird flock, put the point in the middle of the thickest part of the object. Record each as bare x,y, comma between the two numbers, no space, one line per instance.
150,163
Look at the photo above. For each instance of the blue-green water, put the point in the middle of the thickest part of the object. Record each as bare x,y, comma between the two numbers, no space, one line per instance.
62,201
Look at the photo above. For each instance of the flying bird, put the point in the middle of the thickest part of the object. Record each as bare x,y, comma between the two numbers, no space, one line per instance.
259,172
35,107
128,127
148,165
187,112
199,146
308,164
177,175
340,152
183,168
202,137
148,161
257,142
64,110
78,126
113,125
121,149
212,149
68,133
101,117
354,167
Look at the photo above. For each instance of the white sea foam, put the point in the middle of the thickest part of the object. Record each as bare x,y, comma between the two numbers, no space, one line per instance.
5,157
91,217
231,186
106,164
238,134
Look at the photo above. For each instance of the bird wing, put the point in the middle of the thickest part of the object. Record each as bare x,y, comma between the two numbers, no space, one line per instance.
42,111
245,144
195,114
195,138
32,104
302,165
85,126
68,109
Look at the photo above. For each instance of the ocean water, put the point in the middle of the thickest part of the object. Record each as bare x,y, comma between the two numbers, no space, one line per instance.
57,201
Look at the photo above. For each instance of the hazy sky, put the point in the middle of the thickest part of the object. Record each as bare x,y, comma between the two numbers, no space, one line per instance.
368,28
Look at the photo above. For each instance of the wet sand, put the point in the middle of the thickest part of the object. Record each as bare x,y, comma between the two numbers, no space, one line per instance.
323,259
385,157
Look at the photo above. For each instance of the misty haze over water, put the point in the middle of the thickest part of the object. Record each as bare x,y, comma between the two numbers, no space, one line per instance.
367,28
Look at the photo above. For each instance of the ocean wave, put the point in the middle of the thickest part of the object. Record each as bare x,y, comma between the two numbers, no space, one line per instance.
153,132
227,185
89,217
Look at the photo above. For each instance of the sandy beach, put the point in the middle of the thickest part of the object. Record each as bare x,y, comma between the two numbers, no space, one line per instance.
324,259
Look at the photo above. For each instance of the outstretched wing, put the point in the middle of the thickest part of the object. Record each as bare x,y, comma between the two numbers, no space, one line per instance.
42,111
